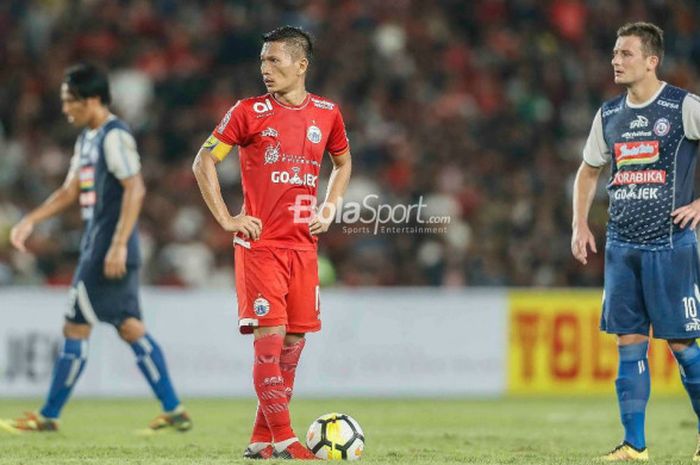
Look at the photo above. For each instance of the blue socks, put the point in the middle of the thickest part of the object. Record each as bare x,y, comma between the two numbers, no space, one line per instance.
66,371
151,361
633,386
689,361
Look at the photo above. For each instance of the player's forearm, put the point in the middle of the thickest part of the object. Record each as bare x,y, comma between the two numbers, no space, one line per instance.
58,201
584,193
338,183
132,200
204,169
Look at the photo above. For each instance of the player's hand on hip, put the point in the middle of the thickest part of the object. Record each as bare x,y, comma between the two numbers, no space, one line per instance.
687,214
115,261
20,232
322,220
249,226
581,240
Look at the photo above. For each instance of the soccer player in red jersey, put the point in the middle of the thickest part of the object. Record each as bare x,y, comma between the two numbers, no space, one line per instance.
282,137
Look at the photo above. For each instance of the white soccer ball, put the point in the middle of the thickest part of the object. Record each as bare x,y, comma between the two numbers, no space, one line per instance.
336,436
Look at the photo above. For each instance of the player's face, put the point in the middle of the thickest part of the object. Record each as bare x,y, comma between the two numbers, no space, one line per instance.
629,63
77,111
281,72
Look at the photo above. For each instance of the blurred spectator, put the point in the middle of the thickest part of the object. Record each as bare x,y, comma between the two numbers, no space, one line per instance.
477,109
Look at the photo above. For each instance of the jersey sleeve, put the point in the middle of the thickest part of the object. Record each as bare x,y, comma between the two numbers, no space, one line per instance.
338,139
230,131
691,116
75,160
596,152
121,155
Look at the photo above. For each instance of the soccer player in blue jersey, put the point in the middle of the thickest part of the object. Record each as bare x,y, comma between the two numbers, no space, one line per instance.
650,135
105,177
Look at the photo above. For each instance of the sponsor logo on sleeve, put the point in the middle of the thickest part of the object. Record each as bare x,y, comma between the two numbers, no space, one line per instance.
322,104
224,122
667,104
662,127
636,153
611,111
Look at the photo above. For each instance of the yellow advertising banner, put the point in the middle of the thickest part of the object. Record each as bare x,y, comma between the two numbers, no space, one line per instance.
555,346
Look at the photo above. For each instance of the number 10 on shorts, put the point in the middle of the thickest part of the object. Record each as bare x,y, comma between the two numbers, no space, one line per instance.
691,310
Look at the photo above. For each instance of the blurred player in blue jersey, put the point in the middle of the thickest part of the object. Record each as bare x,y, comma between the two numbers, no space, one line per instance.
105,177
650,135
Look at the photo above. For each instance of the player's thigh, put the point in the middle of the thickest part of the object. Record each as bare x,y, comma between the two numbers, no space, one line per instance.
95,298
262,276
304,299
624,310
671,279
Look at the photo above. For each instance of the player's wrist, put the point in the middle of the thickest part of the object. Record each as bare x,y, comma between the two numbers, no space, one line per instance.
577,224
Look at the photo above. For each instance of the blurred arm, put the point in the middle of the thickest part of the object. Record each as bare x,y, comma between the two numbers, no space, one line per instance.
132,200
689,214
584,193
57,202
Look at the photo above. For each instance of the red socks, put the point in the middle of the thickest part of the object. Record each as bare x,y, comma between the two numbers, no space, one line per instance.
273,409
288,365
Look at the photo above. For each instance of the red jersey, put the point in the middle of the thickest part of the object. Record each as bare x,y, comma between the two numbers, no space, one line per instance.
280,148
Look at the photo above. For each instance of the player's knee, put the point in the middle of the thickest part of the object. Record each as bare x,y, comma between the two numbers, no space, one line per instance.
292,338
76,331
131,330
678,345
267,330
628,339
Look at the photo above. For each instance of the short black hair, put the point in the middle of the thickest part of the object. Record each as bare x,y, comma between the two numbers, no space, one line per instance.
86,80
651,35
294,37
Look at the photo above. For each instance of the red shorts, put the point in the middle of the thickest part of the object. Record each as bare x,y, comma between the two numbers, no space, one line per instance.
277,287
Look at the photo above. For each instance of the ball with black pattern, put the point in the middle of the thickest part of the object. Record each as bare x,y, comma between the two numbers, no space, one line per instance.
336,436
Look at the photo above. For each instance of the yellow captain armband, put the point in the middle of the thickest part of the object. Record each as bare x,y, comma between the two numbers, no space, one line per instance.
219,149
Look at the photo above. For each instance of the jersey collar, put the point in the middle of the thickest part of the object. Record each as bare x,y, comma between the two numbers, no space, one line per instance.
643,104
301,106
90,133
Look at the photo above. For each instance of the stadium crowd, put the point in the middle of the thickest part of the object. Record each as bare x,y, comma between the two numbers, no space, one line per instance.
477,109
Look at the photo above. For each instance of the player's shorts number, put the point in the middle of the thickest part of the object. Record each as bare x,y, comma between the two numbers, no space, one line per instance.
691,310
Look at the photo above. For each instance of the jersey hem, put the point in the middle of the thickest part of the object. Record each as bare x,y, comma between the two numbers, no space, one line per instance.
279,245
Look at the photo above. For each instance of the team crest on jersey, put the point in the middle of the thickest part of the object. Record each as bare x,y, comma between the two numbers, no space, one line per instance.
662,127
272,154
261,306
314,134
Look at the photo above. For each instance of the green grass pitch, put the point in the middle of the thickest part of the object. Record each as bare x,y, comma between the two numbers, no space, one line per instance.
406,431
